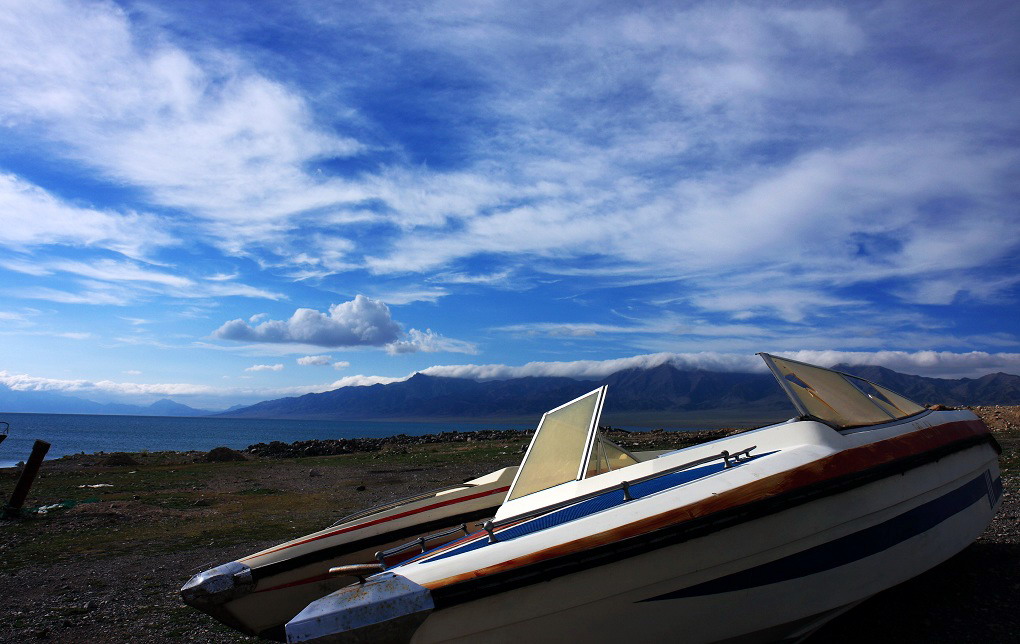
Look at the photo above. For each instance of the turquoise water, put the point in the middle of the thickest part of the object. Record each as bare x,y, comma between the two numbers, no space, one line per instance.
73,433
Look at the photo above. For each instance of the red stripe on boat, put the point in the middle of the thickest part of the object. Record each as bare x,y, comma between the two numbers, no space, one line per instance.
382,520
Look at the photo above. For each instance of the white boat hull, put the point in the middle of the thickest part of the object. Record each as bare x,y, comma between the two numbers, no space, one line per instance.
643,598
765,550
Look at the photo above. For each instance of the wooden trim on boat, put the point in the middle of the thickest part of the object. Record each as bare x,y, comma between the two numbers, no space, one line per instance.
834,474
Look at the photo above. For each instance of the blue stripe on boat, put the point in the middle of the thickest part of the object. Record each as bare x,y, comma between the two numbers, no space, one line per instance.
602,502
850,548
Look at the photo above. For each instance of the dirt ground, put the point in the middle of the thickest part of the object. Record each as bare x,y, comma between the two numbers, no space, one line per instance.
109,568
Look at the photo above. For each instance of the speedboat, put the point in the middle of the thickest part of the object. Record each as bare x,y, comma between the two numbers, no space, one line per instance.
757,537
259,593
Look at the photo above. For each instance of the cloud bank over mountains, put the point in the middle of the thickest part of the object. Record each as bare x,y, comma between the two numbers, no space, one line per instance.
925,363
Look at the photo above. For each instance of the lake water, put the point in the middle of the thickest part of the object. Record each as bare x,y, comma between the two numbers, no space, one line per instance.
74,433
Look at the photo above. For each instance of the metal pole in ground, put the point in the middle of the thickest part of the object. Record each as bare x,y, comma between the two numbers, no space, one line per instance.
26,479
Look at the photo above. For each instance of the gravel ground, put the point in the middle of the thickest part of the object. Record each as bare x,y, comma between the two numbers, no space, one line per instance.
131,596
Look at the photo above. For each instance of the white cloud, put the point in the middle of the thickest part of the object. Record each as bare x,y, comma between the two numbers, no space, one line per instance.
941,364
128,390
221,277
203,133
359,322
499,278
323,361
90,293
363,381
265,367
22,318
664,177
791,305
429,341
74,335
406,296
320,361
108,281
34,217
25,382
133,372
596,369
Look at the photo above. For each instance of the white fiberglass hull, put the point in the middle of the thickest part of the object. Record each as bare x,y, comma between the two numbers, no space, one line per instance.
762,551
259,593
656,596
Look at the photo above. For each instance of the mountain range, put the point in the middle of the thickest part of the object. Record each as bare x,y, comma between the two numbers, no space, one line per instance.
644,392
645,395
46,402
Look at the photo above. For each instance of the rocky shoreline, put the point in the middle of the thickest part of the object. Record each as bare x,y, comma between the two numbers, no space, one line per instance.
654,439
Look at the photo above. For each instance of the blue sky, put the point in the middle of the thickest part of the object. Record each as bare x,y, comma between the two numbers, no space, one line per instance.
226,202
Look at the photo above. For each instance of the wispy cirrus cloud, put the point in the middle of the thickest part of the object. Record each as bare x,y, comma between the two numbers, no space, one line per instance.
124,105
109,281
33,216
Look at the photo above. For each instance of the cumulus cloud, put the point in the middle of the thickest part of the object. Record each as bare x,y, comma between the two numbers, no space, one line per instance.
359,322
265,367
319,361
429,341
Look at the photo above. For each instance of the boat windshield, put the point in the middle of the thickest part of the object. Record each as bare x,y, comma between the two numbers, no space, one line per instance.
606,456
560,446
838,398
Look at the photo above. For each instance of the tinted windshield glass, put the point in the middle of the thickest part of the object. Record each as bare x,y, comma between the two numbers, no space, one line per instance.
837,398
559,446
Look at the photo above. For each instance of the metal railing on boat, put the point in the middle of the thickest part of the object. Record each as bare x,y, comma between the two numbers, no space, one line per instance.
729,460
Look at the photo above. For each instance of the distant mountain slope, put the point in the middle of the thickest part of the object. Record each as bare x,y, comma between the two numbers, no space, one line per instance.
45,402
660,389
